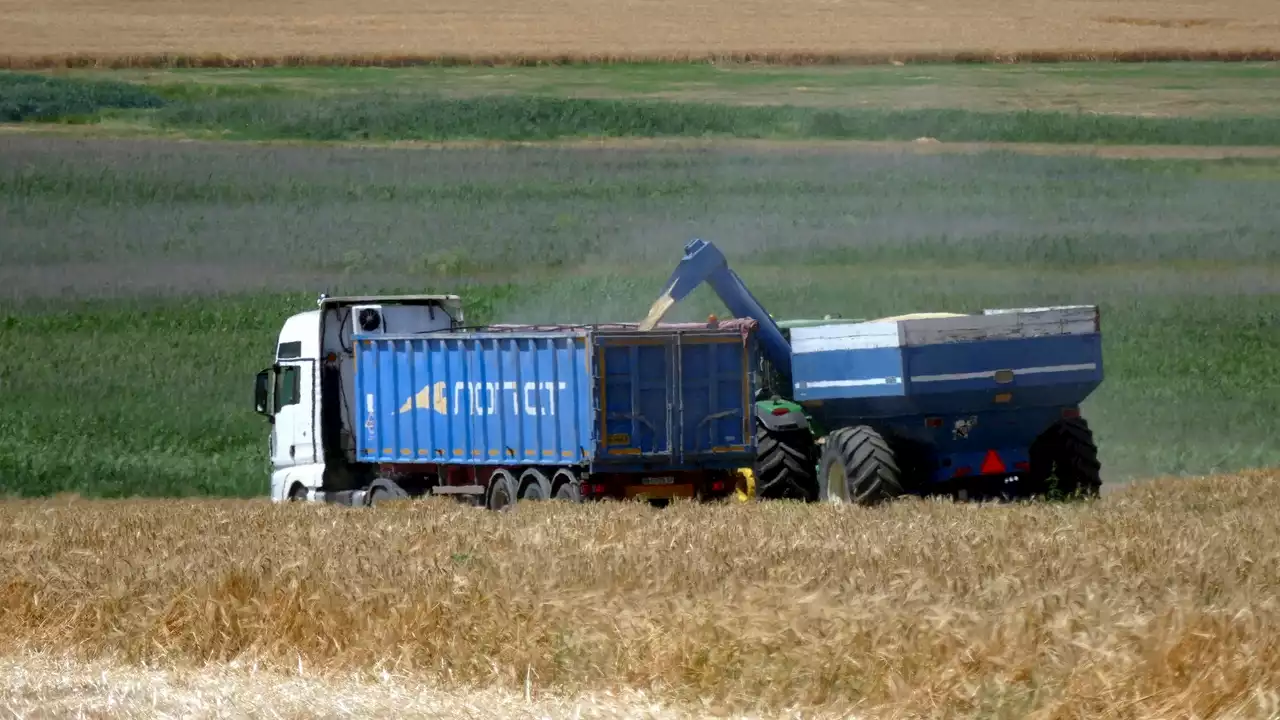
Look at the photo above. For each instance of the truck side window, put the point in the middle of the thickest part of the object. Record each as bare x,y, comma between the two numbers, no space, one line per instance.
287,382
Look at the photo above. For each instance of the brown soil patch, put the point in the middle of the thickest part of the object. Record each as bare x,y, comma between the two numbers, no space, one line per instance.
138,31
1156,601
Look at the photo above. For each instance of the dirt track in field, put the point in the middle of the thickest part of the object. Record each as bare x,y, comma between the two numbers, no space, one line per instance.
923,146
656,28
920,146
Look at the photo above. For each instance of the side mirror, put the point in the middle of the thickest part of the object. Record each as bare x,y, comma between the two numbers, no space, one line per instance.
262,393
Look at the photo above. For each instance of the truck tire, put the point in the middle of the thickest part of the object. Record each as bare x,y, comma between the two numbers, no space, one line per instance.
569,492
1064,459
502,491
383,490
784,465
566,487
858,466
534,485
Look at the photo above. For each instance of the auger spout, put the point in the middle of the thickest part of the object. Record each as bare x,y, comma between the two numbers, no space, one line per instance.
703,262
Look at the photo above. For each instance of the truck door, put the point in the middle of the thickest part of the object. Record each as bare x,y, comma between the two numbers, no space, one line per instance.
294,410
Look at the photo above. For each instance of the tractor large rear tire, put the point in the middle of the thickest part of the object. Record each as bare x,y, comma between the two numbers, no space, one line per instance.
859,467
784,467
1064,461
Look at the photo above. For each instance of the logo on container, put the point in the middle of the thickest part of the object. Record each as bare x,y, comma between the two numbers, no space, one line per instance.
488,398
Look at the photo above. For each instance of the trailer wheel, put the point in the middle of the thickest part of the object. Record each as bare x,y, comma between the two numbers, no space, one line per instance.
565,486
534,485
502,491
1064,460
569,492
784,465
858,466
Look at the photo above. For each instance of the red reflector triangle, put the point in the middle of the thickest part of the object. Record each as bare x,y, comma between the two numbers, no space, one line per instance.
992,464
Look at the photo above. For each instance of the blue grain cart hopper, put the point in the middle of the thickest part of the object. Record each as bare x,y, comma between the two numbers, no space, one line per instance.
984,405
419,405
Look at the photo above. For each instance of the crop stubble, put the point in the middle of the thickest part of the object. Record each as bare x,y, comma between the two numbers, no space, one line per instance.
1158,600
810,30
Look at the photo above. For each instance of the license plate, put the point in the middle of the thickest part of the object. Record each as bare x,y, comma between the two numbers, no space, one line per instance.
658,481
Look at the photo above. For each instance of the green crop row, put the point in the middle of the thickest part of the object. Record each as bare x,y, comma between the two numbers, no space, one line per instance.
382,114
388,115
27,98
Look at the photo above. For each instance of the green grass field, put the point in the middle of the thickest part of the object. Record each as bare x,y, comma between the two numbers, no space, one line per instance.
1168,89
1198,104
142,281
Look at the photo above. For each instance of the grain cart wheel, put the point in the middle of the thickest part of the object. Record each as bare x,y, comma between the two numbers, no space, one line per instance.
784,465
858,466
502,491
534,485
1064,460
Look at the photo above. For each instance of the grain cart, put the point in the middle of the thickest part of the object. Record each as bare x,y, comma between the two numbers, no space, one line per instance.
374,398
862,411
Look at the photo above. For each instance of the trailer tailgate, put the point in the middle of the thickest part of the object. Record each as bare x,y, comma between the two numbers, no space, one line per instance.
678,397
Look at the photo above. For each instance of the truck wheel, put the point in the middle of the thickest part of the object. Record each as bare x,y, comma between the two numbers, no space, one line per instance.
383,490
1064,459
534,485
502,491
784,465
858,466
566,486
569,492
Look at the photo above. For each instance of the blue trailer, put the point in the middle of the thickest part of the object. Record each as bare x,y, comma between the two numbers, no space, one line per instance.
983,405
419,405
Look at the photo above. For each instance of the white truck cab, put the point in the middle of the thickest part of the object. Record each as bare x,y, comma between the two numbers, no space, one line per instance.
306,394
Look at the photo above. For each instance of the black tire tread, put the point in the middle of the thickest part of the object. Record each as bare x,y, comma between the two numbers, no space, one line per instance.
871,471
784,465
1069,445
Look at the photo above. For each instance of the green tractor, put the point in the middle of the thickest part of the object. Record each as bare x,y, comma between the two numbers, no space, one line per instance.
787,450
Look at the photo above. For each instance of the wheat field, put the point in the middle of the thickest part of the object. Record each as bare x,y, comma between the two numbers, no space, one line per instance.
1160,599
134,31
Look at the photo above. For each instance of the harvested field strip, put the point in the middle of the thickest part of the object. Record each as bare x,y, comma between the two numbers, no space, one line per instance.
1158,600
159,61
658,29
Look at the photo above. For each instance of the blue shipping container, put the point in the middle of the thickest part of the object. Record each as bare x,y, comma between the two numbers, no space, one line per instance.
675,398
